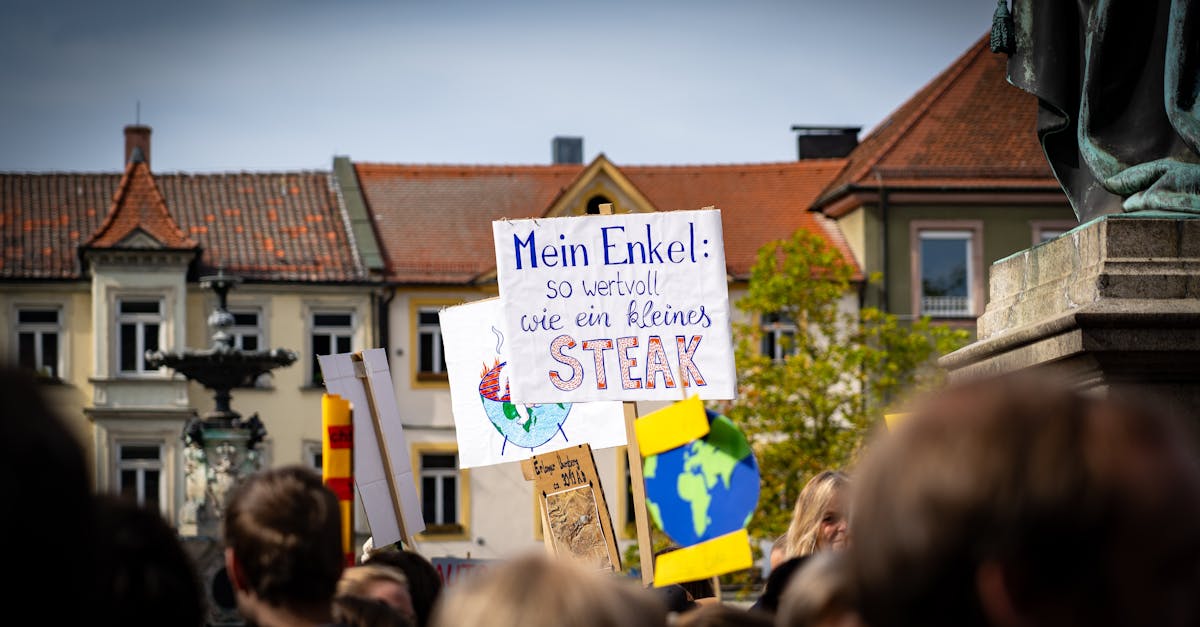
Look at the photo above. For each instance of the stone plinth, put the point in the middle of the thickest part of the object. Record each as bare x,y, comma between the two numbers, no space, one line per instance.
1113,302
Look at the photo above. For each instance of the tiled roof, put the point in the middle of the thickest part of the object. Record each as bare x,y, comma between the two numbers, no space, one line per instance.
758,202
968,128
138,205
435,221
284,226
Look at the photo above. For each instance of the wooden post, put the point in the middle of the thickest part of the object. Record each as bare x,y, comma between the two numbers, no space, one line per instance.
641,517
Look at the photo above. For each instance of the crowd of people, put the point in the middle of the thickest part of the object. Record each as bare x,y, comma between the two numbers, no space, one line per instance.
1000,502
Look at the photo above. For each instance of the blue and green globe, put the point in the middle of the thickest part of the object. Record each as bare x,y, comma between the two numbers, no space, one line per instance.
703,489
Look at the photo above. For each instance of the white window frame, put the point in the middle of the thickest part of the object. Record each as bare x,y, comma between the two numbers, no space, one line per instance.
439,528
777,326
313,453
139,320
141,467
972,232
239,332
333,332
1042,231
39,331
433,330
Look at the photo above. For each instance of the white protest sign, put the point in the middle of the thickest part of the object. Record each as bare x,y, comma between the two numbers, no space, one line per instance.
490,428
616,307
391,503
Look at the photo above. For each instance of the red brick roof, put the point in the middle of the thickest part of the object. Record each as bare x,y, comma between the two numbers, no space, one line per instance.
285,226
434,221
139,206
968,128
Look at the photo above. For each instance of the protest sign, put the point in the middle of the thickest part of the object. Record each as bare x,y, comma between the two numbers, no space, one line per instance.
623,307
575,520
492,429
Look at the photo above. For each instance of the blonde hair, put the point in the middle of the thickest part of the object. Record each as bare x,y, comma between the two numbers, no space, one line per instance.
355,579
810,505
537,590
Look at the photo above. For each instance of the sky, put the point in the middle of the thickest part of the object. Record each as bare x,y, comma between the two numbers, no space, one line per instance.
270,85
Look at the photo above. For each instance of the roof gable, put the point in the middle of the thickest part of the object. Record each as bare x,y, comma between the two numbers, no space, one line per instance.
968,127
139,210
601,180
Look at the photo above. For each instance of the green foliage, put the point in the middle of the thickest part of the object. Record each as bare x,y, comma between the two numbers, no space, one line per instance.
812,409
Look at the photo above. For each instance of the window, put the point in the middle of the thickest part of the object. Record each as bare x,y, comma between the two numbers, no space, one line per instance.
442,489
38,332
431,359
139,329
314,455
246,331
778,335
139,474
947,269
1046,230
331,333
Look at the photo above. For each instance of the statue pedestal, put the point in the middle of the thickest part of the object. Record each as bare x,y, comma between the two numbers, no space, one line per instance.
1114,302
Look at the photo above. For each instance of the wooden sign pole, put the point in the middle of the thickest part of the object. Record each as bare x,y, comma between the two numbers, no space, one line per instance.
641,517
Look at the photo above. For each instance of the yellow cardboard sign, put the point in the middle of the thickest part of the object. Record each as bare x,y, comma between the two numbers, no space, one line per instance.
723,554
894,419
337,463
671,427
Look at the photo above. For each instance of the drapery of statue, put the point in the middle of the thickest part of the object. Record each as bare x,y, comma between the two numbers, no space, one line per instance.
1118,85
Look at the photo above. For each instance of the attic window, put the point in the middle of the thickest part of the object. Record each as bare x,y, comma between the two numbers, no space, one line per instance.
593,204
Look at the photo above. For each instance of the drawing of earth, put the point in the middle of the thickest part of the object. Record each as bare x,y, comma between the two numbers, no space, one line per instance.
527,426
703,489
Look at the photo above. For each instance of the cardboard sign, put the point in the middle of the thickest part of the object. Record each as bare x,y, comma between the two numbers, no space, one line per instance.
625,307
382,467
575,520
337,463
490,428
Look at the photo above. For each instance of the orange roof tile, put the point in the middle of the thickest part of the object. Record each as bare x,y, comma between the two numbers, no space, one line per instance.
435,221
282,226
967,128
137,205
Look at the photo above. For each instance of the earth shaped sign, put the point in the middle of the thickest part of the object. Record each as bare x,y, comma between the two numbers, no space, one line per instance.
526,426
704,489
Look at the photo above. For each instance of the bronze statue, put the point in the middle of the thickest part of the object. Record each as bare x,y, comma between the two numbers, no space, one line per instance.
1118,86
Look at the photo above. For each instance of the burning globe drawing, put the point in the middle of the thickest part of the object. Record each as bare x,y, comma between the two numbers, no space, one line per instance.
527,426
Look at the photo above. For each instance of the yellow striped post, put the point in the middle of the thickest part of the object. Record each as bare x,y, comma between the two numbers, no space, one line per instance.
337,463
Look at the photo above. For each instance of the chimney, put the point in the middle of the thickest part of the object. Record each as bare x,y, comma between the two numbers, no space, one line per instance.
137,136
825,142
567,150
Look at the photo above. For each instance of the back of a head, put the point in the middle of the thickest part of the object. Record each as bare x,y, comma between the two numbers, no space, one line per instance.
284,526
819,592
424,582
43,471
722,615
356,611
1017,497
145,576
541,591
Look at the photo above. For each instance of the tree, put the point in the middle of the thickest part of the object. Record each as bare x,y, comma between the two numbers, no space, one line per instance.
833,372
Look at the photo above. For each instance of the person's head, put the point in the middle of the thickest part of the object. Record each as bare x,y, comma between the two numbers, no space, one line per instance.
722,615
818,594
377,581
1014,500
819,520
145,576
778,581
356,611
778,551
44,473
283,543
540,591
424,582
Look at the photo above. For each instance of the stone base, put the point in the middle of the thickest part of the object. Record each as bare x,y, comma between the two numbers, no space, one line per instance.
1113,303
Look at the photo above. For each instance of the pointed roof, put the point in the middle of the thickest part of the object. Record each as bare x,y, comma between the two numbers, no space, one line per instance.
138,216
968,128
434,221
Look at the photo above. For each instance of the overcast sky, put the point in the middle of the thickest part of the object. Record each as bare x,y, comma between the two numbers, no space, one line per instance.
260,85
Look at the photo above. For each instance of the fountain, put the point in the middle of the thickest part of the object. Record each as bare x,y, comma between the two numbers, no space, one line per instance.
221,447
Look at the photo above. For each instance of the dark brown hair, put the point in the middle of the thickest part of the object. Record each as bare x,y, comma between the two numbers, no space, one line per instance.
284,527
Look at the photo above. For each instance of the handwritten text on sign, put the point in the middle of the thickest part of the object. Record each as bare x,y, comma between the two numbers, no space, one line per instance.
616,307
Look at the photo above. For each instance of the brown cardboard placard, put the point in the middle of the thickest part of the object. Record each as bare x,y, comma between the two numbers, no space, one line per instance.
575,519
